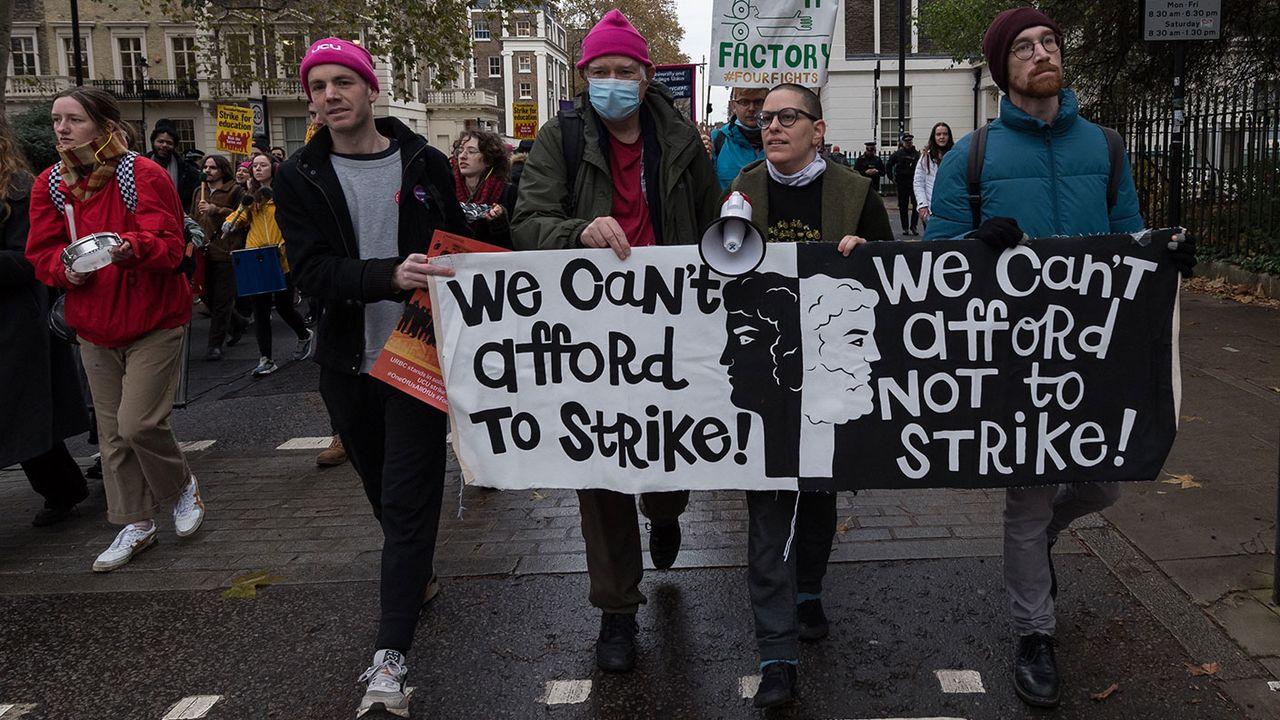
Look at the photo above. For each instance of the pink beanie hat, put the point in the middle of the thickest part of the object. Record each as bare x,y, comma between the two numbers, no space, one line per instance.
614,35
341,52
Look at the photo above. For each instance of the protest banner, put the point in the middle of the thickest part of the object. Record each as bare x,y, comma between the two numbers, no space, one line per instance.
760,44
408,361
234,128
904,365
682,81
524,115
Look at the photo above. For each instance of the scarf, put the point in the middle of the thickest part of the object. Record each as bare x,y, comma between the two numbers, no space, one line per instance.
488,192
88,168
807,174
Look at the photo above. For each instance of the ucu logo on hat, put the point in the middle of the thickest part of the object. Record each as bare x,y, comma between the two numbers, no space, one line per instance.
326,46
340,52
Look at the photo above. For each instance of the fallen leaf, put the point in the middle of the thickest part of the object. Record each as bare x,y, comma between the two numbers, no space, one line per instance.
246,586
1186,481
1193,418
844,525
1099,697
535,495
1202,669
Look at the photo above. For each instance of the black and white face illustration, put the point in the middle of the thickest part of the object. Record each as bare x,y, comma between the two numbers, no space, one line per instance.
763,361
838,323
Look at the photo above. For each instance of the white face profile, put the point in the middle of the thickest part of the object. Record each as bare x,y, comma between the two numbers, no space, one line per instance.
838,320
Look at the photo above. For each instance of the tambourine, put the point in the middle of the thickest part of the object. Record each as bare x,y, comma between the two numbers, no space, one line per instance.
91,252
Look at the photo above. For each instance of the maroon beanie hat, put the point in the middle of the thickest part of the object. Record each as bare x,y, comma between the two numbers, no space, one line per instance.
614,35
1000,35
341,52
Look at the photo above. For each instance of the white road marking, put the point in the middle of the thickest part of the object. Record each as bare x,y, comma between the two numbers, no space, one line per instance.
1228,348
960,681
11,711
192,707
748,685
306,443
196,445
566,692
1274,685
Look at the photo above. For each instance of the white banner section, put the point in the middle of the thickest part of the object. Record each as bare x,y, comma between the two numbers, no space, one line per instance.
760,43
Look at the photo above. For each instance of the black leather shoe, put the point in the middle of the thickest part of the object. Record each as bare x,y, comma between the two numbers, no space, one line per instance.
1035,671
813,622
1053,574
664,543
777,685
95,470
616,647
52,516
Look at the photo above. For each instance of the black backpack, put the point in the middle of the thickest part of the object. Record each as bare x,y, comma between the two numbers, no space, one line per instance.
978,153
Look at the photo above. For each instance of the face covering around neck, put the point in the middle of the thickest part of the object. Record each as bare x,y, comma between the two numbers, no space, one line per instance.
614,99
807,174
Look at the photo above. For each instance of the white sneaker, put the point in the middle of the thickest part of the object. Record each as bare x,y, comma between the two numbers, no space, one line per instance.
266,366
305,346
189,512
386,689
131,541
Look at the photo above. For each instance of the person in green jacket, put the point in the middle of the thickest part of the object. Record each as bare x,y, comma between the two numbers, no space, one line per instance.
796,196
642,177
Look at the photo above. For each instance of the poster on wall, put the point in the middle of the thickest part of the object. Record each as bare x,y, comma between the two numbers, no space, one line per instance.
905,365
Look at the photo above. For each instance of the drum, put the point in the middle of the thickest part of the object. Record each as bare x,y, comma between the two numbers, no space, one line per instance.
91,252
258,270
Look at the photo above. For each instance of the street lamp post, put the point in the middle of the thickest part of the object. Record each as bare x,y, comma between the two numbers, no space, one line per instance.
902,68
75,42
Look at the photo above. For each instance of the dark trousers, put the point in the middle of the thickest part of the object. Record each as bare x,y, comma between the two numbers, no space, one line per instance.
773,582
283,302
55,475
397,446
220,295
907,205
612,534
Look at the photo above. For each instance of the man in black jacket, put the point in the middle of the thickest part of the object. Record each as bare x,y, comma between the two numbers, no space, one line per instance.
902,171
357,207
164,151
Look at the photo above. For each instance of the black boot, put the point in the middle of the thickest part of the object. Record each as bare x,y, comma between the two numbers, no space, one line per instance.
616,646
777,685
664,543
1035,671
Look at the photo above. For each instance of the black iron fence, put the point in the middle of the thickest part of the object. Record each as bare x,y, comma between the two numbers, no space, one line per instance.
1231,163
151,89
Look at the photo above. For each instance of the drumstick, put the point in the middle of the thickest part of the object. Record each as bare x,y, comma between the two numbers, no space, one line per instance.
71,222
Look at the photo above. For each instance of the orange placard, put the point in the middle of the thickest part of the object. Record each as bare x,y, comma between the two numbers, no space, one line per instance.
408,361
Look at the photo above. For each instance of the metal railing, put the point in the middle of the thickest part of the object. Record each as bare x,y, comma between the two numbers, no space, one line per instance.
1231,163
150,89
35,86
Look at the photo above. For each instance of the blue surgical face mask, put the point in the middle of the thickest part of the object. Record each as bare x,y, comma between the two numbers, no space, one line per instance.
614,99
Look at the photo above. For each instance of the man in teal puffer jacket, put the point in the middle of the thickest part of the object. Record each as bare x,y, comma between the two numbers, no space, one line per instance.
1045,172
737,143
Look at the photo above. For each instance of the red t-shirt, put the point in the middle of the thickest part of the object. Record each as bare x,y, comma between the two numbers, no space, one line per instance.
630,207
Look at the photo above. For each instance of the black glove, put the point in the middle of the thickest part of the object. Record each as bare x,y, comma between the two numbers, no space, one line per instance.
999,233
1183,252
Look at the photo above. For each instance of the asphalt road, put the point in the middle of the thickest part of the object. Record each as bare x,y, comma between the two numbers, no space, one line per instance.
488,647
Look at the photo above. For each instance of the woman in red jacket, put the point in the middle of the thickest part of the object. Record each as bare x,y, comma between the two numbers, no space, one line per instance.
129,315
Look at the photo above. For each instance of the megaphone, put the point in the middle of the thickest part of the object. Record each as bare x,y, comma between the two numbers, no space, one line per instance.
732,245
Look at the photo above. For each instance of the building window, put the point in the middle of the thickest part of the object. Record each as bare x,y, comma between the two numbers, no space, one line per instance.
69,56
186,128
889,115
184,57
495,66
526,91
293,46
526,64
22,56
524,28
133,62
480,31
239,56
295,133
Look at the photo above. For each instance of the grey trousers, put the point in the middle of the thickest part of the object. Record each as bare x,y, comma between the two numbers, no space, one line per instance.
1032,515
773,582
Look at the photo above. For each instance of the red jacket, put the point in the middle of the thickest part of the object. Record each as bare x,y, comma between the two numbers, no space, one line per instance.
123,301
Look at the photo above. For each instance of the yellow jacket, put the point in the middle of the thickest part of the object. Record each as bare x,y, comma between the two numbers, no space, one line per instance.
263,230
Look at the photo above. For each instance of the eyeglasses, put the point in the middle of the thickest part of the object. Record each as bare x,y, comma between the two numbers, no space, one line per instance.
750,102
786,117
1025,49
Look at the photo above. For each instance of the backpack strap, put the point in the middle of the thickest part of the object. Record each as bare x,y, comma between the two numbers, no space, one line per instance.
125,181
1115,155
572,143
977,156
721,137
